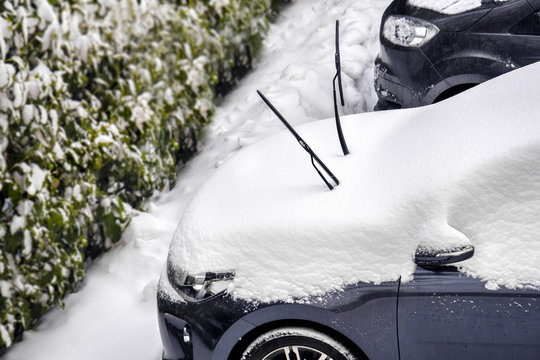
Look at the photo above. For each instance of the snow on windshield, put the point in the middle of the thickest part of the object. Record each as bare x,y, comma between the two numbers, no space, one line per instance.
449,7
462,171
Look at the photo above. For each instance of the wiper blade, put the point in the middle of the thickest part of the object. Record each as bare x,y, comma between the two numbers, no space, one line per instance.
342,141
314,158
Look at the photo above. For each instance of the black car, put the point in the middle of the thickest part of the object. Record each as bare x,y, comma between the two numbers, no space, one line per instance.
427,56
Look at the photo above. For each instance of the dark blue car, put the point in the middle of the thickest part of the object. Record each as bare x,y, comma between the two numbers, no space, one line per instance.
437,311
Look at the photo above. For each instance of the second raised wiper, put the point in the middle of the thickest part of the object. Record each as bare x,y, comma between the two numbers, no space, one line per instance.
342,141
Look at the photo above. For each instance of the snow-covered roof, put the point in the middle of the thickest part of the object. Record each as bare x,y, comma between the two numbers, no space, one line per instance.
464,170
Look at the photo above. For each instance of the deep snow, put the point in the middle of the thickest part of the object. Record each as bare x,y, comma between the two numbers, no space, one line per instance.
444,176
113,316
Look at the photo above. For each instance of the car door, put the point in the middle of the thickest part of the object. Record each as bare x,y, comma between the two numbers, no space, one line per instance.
443,314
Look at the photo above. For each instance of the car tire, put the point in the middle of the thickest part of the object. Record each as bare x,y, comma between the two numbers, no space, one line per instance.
296,343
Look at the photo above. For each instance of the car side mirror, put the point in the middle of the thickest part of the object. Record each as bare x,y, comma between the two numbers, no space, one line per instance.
425,256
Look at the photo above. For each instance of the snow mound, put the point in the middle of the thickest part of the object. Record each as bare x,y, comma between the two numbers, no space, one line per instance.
464,170
449,7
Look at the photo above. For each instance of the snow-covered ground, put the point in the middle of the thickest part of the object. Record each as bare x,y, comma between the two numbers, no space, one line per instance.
113,315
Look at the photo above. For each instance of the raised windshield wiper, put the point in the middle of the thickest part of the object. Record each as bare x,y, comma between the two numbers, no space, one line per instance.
344,147
305,146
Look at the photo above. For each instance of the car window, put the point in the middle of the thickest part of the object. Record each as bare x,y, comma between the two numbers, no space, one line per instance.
528,26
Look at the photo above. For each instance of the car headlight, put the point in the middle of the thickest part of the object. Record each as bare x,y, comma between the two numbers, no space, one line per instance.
199,286
407,31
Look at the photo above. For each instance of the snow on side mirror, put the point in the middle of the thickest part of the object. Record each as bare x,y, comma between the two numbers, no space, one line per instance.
425,256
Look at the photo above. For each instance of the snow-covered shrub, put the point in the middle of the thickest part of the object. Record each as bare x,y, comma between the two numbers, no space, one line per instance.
99,99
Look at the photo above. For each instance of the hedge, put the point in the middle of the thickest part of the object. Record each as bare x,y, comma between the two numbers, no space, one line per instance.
99,100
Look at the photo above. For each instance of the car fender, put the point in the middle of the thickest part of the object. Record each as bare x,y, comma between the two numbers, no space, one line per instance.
267,315
230,338
468,67
373,311
451,82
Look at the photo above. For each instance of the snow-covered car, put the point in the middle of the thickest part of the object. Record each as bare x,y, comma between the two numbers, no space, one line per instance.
431,50
428,248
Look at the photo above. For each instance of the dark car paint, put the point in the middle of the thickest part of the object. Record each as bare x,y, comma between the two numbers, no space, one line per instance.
441,314
470,48
364,314
444,314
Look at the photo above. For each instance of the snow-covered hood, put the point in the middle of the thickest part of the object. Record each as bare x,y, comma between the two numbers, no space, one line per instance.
464,170
448,15
452,7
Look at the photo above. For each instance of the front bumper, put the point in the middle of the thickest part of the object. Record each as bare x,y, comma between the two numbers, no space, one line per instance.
199,330
364,313
391,94
405,76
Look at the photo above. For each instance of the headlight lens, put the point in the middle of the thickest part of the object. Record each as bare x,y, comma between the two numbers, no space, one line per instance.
199,286
407,31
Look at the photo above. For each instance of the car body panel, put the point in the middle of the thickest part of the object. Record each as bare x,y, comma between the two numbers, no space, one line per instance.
396,80
444,314
535,4
363,313
207,320
441,313
502,17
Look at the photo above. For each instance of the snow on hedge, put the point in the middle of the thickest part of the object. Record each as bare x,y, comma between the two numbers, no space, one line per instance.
463,171
99,99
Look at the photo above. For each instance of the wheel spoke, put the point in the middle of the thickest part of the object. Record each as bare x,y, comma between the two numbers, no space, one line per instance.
296,352
287,351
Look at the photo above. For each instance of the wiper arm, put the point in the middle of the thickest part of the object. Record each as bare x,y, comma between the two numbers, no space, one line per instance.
337,59
314,158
